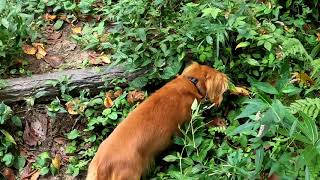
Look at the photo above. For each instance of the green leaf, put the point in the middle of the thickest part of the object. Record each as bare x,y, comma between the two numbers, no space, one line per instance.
142,34
58,24
267,45
9,138
8,159
40,94
19,163
209,40
252,62
309,128
73,134
113,116
44,171
291,89
243,128
139,82
170,158
213,12
194,105
16,121
5,113
5,22
3,82
265,87
2,5
242,44
259,159
254,105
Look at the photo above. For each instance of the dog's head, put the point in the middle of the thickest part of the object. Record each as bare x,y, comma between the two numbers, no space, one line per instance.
211,82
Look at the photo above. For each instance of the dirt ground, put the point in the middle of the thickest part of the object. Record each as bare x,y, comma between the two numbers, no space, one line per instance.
40,132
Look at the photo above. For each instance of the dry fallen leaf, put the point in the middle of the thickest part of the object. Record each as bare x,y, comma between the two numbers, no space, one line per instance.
29,49
41,53
60,140
318,36
8,174
54,61
104,37
108,103
50,17
240,91
56,162
35,129
54,35
27,172
303,78
134,96
105,58
72,104
76,30
35,176
118,93
110,94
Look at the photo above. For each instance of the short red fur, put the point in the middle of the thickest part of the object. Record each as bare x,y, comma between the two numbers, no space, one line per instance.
128,151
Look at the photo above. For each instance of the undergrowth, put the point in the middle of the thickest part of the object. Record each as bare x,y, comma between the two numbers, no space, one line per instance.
268,48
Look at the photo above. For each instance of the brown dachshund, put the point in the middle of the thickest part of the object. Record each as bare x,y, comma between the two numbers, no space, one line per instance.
130,149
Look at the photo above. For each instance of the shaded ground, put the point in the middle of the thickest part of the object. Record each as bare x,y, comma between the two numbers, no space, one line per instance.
42,133
62,53
45,134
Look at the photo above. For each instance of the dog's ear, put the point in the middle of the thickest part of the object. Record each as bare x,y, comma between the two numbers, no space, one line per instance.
190,66
216,85
189,62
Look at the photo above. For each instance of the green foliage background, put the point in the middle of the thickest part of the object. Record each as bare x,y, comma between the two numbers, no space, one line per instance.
258,44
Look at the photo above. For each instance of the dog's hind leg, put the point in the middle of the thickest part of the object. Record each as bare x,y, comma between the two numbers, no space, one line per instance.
126,174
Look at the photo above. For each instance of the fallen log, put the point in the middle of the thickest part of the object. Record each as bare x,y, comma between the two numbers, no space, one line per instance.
17,89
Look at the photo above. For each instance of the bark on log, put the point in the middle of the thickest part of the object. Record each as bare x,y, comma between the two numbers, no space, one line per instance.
18,89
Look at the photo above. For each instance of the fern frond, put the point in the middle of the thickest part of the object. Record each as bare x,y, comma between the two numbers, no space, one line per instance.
292,47
309,106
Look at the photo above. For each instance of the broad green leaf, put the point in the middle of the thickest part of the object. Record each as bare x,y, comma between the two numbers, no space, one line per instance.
279,110
19,162
8,159
213,12
2,5
69,5
113,116
5,22
16,121
259,159
139,82
40,94
73,134
267,45
194,105
291,90
209,40
309,128
3,82
242,44
254,105
252,62
5,113
9,138
170,158
265,87
243,128
142,34
44,171
58,24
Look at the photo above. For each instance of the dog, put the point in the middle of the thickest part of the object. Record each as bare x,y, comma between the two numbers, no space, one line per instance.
148,130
